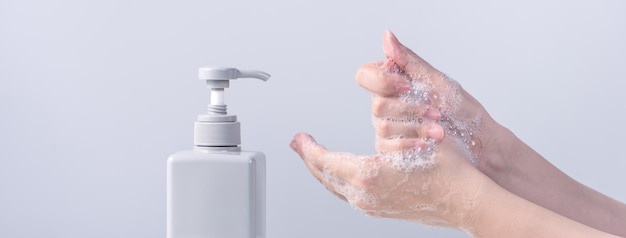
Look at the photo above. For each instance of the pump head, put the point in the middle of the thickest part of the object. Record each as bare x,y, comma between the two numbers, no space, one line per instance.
217,129
219,78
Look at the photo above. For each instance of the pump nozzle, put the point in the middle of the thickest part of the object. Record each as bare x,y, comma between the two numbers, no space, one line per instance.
217,129
219,78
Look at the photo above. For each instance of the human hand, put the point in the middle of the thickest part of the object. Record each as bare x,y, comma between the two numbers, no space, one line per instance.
431,138
431,184
418,174
408,93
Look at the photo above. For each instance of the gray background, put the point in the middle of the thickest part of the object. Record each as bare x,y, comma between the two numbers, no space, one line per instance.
94,95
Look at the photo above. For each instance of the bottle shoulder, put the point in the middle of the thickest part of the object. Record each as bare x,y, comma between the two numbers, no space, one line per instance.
194,155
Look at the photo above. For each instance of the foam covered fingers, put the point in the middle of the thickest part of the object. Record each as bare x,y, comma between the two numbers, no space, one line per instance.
373,78
394,145
335,170
385,107
429,131
317,155
387,128
407,128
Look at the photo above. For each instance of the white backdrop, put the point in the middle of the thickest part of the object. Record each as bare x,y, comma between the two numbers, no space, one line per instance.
94,95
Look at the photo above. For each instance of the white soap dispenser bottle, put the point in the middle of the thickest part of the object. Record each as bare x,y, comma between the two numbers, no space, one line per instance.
217,190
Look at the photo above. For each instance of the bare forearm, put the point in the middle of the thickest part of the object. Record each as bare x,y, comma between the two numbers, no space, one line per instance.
527,174
503,214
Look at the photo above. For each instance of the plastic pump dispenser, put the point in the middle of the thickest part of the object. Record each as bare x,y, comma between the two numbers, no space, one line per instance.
217,189
217,128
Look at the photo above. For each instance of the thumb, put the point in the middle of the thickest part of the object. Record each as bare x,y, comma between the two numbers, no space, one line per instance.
326,165
403,57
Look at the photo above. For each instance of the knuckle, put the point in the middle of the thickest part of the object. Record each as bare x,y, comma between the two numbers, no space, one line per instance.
382,128
378,107
363,73
359,75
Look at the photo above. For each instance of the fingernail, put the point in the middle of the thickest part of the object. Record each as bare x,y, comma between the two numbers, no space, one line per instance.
433,114
293,145
435,132
392,37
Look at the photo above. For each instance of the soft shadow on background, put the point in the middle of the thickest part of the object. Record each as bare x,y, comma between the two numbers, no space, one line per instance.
94,95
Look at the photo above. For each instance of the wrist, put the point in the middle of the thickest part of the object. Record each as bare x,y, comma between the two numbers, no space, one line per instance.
499,147
468,190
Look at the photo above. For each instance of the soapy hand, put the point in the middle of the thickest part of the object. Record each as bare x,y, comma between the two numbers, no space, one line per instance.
419,174
431,183
408,93
432,138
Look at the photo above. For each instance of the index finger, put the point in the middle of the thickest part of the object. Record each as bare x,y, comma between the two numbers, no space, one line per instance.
329,165
374,78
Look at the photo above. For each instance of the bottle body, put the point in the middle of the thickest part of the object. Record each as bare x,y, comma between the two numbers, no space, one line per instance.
216,192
